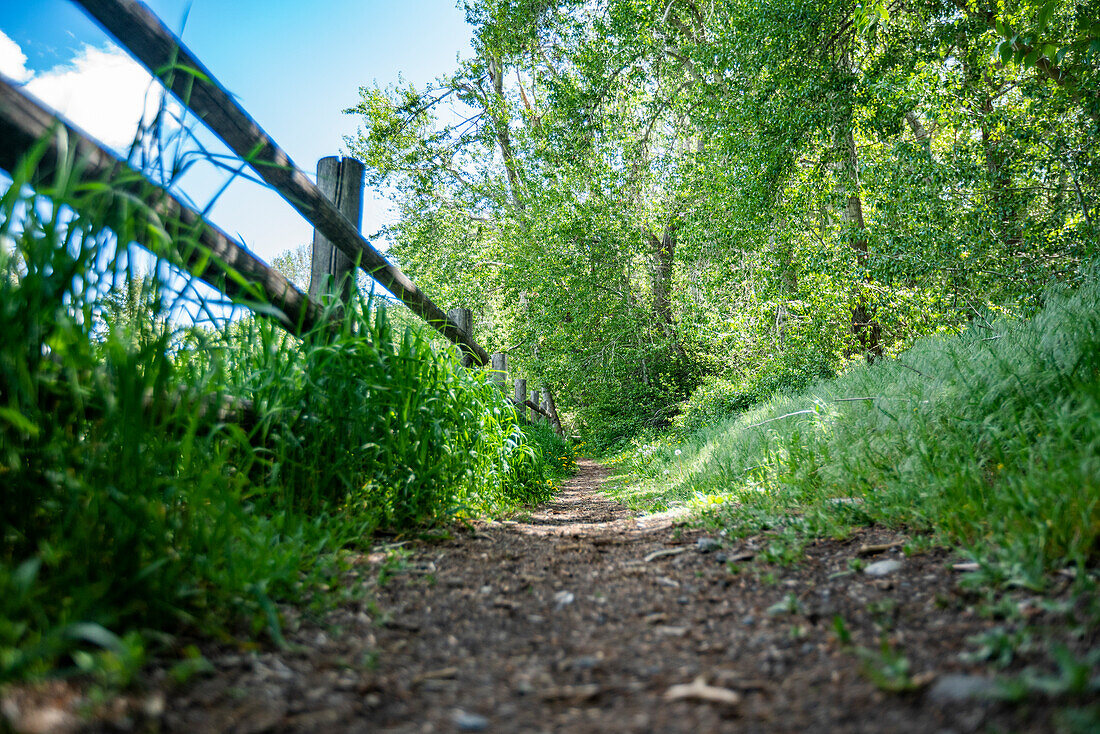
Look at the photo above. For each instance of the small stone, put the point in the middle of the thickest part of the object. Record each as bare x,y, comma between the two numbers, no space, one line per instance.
486,590
748,620
882,568
153,705
470,722
665,631
956,687
721,557
563,599
707,545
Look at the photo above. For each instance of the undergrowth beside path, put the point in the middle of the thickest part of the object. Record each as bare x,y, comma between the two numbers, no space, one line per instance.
986,443
170,466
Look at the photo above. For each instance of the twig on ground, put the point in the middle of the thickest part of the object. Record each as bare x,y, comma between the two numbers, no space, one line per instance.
663,553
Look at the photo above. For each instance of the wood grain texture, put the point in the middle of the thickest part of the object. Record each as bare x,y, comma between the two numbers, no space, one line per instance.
331,271
520,400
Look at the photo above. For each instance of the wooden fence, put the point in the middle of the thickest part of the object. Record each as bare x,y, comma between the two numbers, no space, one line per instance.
330,205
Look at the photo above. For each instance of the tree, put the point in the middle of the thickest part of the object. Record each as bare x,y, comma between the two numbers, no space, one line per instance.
636,195
295,265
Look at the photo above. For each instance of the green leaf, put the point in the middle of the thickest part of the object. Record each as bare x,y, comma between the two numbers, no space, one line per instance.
1032,57
1045,12
19,421
95,634
24,576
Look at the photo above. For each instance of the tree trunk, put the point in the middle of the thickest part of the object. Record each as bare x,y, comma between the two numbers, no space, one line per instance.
787,264
865,328
663,253
500,123
552,409
919,131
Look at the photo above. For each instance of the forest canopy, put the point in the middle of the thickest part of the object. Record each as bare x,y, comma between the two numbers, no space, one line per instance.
645,200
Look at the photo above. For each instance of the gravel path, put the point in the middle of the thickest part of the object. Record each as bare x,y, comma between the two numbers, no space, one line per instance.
584,618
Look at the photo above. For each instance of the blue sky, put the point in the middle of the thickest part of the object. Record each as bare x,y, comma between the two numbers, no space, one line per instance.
294,65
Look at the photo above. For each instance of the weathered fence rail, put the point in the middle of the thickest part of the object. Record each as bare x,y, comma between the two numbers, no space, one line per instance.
145,36
201,248
24,123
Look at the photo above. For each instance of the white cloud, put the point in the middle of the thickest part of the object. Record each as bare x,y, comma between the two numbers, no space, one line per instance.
13,62
102,90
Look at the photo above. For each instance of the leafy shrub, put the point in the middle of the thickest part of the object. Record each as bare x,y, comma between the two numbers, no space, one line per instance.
558,452
718,398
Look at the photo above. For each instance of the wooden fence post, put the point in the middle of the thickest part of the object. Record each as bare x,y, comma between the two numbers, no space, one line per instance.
464,320
499,365
331,272
539,398
521,398
552,409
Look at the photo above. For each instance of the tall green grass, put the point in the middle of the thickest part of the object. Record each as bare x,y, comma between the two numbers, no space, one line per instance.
132,504
383,426
989,439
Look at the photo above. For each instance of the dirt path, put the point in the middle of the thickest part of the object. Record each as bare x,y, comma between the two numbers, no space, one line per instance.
583,618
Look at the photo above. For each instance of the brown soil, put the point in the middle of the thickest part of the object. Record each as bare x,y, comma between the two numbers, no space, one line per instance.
559,623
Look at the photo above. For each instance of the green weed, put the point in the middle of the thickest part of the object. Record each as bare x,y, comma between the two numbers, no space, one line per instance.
1072,677
394,564
887,667
1000,646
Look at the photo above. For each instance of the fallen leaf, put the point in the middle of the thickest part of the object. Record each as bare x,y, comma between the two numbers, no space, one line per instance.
698,690
920,680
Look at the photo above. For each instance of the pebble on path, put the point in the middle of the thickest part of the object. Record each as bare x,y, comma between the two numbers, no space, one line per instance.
466,721
956,687
882,568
